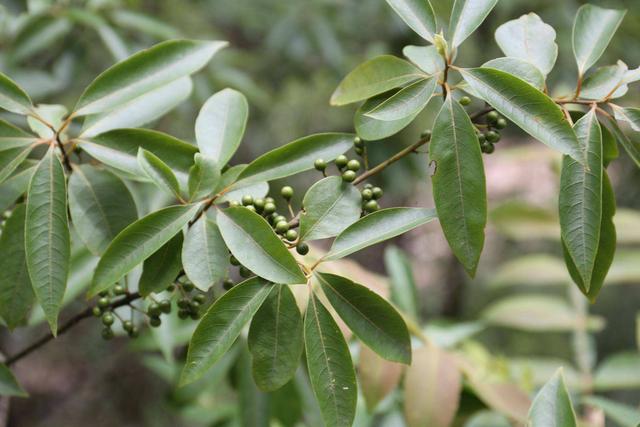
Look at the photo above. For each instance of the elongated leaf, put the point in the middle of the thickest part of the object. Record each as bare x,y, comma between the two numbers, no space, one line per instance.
629,115
15,186
631,147
593,29
619,371
11,159
16,295
552,406
8,384
378,377
458,183
205,257
221,325
12,136
47,240
276,339
426,58
254,243
295,157
605,82
407,102
138,242
519,68
625,415
378,227
404,293
162,267
40,32
371,129
204,176
220,124
527,107
145,71
374,77
418,15
330,368
466,17
159,172
331,205
369,316
12,97
580,201
530,39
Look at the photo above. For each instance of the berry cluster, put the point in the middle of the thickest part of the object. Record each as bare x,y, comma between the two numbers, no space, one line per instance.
494,124
370,197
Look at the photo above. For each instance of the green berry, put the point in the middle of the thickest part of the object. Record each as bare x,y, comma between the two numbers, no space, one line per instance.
165,306
369,186
489,148
245,272
171,288
194,305
247,200
358,142
359,151
493,136
155,321
465,100
103,294
134,333
501,123
341,161
234,203
183,314
367,194
227,284
107,333
348,176
183,303
200,298
493,116
96,311
269,208
127,325
194,315
291,235
353,165
250,208
154,310
104,302
259,204
371,206
234,261
320,165
188,286
107,319
286,192
481,138
279,218
119,290
302,248
282,227
377,192
269,200
426,135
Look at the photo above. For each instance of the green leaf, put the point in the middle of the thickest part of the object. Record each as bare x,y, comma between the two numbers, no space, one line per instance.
295,157
378,227
100,205
159,172
418,15
221,123
593,29
609,146
52,114
12,158
580,201
378,377
605,82
205,257
371,129
13,137
369,316
16,295
625,415
47,240
8,384
404,293
374,77
145,24
458,183
15,186
330,367
204,176
138,242
407,102
620,371
530,270
162,267
631,147
426,58
552,405
145,71
533,111
12,97
466,17
256,190
530,39
519,68
330,206
254,243
276,339
221,325
629,115
39,33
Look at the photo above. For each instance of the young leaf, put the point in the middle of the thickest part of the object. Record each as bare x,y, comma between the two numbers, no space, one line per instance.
254,243
593,29
221,325
425,57
371,129
162,267
330,367
220,124
374,77
418,15
530,39
12,158
13,98
100,205
330,206
519,68
138,242
466,17
527,107
407,102
13,137
276,339
552,405
16,295
458,183
205,257
204,176
47,240
378,377
158,172
8,384
378,227
631,147
145,71
369,316
404,293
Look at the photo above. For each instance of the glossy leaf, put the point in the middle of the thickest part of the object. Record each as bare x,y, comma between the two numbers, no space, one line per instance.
605,82
519,68
276,339
221,325
407,102
629,115
12,97
552,405
371,129
162,268
330,206
8,384
10,159
13,137
404,293
369,316
47,240
426,58
418,15
159,172
632,147
378,227
466,17
378,377
254,243
204,176
205,257
330,367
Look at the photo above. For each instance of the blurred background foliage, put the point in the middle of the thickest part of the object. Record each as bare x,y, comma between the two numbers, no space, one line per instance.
518,320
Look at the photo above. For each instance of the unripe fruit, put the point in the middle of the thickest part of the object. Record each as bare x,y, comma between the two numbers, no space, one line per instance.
493,136
501,123
245,272
426,135
320,165
302,248
183,314
107,333
259,204
489,148
107,319
359,151
134,332
234,261
353,165
357,142
165,306
377,192
371,206
282,227
286,192
465,100
269,200
493,116
367,194
291,235
188,286
279,218
183,303
227,284
348,176
234,203
341,161
119,289
96,311
251,208
200,298
104,302
269,208
247,200
155,322
154,310
127,325
194,305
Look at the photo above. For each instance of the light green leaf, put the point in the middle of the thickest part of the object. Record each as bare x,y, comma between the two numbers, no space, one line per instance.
221,325
629,115
162,267
426,58
519,68
158,171
138,242
418,15
371,129
204,176
404,293
39,33
100,205
533,111
254,243
276,339
221,123
620,371
139,22
12,97
466,17
458,183
609,146
257,190
330,206
530,39
53,115
531,270
407,102
47,240
109,37
330,367
593,29
631,147
205,257
15,186
625,415
374,77
605,82
8,384
12,136
552,405
369,316
378,227
12,158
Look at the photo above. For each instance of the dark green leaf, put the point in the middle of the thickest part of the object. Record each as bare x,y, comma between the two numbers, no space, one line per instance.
519,68
466,17
13,137
8,384
158,171
404,293
205,257
371,129
552,406
12,158
204,176
12,97
162,267
418,15
631,147
407,102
